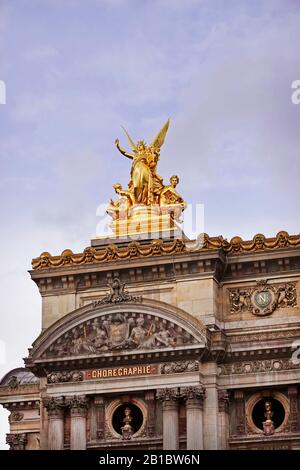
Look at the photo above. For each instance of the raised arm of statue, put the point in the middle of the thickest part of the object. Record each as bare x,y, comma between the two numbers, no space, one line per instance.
123,151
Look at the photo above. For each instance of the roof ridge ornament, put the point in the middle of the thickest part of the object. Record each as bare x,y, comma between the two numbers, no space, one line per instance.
117,294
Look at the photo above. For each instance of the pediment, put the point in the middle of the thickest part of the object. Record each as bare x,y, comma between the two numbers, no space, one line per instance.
124,331
113,330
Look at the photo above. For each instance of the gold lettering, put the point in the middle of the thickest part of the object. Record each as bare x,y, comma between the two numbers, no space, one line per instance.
121,371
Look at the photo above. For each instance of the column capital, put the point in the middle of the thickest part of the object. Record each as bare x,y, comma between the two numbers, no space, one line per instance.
167,394
194,396
78,405
16,441
223,401
54,406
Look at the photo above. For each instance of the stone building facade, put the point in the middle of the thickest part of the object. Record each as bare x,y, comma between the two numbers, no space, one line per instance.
163,344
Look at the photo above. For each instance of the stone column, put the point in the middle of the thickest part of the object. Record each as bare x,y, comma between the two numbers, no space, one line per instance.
294,413
55,407
150,400
223,403
194,397
169,397
210,411
100,416
78,407
16,441
240,412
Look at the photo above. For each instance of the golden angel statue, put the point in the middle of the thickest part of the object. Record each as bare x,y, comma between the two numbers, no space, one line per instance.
146,188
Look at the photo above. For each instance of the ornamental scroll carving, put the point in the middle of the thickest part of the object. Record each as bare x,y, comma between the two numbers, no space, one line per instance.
16,416
16,441
263,299
66,376
193,393
119,331
178,367
167,394
117,294
78,405
54,406
268,365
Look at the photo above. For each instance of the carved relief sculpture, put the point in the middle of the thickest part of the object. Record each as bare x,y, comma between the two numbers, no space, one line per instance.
178,367
263,299
120,331
117,294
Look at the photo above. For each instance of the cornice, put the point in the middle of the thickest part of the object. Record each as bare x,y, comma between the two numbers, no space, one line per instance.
155,248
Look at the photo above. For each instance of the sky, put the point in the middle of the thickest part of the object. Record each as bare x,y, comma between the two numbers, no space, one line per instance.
77,70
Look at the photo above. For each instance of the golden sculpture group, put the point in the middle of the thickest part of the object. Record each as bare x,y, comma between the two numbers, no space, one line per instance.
147,206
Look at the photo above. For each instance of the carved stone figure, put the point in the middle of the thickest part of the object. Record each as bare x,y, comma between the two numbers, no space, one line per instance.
138,333
13,382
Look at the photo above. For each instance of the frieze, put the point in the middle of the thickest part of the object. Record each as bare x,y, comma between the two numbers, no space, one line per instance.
264,336
178,367
65,376
123,371
159,247
262,299
267,365
120,331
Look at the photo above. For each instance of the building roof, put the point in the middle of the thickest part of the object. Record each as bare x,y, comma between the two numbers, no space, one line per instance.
23,376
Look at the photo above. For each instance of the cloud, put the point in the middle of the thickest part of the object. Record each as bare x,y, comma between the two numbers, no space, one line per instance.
222,72
40,52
